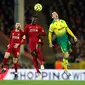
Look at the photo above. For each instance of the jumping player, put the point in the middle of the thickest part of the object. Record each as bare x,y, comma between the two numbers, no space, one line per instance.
35,32
61,30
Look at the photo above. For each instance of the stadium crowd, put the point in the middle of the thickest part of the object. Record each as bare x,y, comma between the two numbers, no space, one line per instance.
72,11
6,16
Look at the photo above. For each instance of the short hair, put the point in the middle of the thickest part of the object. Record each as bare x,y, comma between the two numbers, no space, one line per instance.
54,11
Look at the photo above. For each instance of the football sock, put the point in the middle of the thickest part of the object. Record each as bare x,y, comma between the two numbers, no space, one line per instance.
40,55
15,66
65,59
35,62
5,62
65,63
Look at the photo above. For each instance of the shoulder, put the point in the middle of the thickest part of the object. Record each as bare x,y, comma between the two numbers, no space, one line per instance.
27,26
53,22
63,21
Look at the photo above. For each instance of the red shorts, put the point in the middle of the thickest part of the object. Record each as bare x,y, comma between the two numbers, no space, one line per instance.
33,46
13,50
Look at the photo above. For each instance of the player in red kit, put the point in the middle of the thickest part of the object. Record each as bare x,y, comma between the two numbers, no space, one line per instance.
35,32
17,38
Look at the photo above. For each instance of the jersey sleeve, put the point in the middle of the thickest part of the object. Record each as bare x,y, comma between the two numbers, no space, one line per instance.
51,28
23,37
23,41
42,31
68,30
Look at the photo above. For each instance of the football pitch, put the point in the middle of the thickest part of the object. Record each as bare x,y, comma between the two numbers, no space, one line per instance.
40,82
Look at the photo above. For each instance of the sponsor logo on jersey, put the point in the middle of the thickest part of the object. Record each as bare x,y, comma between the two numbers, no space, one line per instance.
33,30
15,37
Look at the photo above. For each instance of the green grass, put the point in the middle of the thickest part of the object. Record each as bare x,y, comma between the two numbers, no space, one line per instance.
40,82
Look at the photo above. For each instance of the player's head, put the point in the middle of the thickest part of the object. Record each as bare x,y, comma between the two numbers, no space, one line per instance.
55,15
18,26
34,20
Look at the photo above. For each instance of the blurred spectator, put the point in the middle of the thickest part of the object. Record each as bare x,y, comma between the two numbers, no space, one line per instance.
6,16
73,13
1,57
58,63
28,14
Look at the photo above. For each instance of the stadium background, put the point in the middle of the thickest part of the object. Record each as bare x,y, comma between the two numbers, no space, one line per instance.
72,11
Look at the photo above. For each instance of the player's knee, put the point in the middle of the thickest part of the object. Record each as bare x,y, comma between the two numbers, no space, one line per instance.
66,54
15,60
34,53
7,55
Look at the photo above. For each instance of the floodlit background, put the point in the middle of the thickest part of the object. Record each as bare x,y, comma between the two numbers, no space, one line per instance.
72,11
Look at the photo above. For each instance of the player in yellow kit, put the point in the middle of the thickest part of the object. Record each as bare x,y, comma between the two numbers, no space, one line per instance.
60,28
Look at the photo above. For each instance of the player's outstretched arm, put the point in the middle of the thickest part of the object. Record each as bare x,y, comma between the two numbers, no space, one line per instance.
71,33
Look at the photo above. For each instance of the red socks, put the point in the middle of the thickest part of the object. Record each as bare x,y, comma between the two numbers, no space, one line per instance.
5,62
16,67
35,62
40,55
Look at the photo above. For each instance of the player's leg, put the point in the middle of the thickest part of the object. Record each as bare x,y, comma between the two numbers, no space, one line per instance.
35,61
66,54
66,63
6,56
15,61
65,60
40,56
32,48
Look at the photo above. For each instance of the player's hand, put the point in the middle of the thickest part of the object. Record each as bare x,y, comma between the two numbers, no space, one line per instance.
75,39
16,45
8,46
39,41
51,45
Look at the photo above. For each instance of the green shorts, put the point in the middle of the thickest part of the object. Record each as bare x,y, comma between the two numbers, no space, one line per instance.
65,46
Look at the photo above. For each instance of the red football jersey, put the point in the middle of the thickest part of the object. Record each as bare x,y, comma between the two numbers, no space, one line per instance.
33,31
16,37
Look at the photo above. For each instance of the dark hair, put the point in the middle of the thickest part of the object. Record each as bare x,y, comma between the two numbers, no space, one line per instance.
54,11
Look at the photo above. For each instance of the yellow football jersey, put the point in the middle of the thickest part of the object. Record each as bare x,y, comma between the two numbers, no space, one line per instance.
60,28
